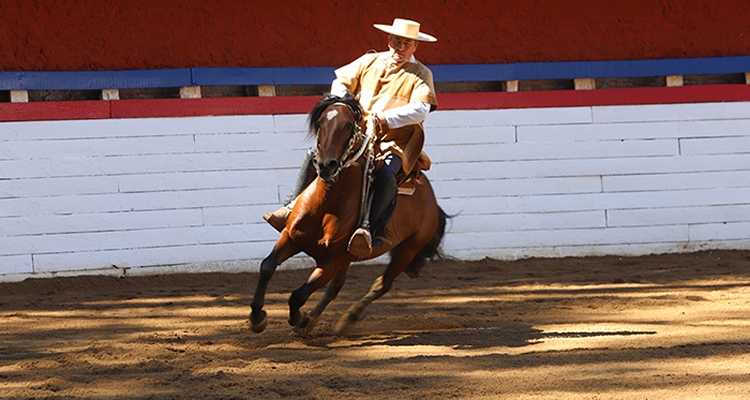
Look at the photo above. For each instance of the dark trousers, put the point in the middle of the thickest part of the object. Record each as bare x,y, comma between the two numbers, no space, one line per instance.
384,193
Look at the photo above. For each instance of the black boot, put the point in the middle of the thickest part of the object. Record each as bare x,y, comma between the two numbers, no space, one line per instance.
385,192
306,175
383,202
277,219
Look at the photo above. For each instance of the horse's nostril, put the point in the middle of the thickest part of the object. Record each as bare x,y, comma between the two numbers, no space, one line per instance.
328,168
332,165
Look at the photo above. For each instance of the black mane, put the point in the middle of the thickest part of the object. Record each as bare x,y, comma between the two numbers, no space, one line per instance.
327,100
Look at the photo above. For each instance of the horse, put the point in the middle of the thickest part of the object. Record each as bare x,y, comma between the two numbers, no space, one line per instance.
328,211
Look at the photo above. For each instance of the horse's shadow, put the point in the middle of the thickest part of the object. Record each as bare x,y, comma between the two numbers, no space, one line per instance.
515,335
511,335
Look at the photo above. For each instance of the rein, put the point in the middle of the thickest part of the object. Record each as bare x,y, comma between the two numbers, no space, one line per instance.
352,155
366,138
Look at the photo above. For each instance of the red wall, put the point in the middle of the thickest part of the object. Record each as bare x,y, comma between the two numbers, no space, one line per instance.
50,35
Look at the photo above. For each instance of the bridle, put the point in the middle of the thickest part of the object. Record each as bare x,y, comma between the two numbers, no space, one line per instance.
352,152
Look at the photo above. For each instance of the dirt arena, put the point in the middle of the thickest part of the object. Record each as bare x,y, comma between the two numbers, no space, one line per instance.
660,327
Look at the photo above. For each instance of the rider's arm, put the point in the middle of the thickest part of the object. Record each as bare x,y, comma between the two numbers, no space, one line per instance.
338,88
408,114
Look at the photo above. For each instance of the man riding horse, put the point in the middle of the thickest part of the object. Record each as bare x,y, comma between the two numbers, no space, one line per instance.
397,92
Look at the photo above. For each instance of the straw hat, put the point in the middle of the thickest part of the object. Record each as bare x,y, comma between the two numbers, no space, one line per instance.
406,28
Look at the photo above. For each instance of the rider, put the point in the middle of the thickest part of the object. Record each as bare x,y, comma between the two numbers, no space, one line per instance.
396,92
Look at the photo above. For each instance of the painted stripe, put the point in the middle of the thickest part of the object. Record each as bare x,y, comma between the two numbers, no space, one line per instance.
55,110
212,106
590,69
262,76
96,80
598,97
152,108
632,68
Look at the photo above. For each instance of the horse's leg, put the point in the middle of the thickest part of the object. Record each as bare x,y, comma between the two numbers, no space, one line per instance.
346,323
401,256
309,321
319,277
258,317
283,249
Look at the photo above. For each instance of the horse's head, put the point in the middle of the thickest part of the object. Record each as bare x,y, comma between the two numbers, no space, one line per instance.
336,122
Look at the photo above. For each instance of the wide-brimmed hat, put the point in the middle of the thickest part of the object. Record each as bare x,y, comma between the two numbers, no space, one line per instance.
406,28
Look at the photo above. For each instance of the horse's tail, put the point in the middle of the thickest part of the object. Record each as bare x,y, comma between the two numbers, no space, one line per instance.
431,250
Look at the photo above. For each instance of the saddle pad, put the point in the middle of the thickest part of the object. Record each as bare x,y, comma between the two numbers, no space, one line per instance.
407,188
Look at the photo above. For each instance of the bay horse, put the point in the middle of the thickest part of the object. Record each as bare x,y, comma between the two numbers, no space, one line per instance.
328,211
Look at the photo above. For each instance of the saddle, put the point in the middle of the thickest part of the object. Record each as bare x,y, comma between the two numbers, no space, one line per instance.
405,183
360,244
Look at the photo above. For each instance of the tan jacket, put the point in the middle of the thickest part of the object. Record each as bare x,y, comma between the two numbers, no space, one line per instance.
383,84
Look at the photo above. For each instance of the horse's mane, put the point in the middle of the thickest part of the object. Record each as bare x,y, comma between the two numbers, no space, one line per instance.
327,100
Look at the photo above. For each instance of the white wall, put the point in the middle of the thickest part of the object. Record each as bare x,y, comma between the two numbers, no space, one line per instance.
89,195
626,180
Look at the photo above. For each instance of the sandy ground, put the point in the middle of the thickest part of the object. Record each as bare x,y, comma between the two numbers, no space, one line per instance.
660,327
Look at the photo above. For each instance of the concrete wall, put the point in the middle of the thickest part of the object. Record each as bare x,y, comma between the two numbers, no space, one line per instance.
83,35
626,180
97,195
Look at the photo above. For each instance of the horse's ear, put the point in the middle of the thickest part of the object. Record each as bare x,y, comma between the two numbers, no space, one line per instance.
354,105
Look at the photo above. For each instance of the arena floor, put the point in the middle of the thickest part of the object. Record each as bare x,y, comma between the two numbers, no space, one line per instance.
666,327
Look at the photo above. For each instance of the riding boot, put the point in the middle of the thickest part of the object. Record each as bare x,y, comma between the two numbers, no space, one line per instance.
277,219
385,192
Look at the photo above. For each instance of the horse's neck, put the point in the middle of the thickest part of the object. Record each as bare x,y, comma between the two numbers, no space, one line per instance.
349,184
343,197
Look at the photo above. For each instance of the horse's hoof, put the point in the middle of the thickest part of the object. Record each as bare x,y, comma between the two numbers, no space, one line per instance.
259,326
305,327
299,319
345,325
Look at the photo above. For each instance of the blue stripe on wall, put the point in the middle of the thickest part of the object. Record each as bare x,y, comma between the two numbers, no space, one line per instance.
632,68
95,80
262,76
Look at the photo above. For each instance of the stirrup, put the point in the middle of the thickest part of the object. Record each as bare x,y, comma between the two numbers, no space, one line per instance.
360,244
277,219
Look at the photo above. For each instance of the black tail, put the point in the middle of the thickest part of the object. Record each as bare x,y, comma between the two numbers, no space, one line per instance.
431,250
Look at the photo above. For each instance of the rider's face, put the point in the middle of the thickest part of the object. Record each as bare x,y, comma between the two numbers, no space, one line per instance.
401,48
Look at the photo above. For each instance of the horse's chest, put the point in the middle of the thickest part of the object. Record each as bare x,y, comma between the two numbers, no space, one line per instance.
334,228
330,231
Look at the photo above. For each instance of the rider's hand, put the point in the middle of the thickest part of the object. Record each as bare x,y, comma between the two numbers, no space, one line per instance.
379,119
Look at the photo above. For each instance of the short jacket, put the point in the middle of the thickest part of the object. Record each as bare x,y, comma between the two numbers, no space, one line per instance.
382,84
